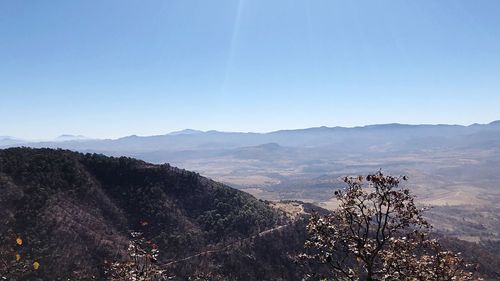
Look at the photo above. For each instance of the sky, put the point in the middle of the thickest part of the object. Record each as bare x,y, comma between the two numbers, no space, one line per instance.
118,67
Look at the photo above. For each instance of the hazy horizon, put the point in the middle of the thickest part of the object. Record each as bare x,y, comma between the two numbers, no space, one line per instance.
65,134
118,68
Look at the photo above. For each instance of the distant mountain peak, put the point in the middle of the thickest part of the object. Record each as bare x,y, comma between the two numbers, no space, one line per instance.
186,132
270,145
69,137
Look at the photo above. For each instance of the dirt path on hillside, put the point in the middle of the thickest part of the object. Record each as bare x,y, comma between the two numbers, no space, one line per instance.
226,247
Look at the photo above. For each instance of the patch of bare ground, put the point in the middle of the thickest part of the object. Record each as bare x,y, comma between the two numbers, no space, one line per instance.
291,208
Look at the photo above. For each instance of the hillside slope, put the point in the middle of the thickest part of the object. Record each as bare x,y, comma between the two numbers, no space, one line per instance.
74,211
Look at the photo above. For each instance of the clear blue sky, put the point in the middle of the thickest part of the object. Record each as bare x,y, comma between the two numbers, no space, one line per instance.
115,68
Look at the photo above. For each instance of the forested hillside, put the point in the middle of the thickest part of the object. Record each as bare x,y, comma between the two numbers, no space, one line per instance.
76,211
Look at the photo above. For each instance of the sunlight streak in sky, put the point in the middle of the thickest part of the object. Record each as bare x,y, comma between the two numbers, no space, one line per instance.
232,44
99,69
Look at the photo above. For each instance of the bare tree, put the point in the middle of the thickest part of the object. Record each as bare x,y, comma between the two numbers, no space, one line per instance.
378,233
141,264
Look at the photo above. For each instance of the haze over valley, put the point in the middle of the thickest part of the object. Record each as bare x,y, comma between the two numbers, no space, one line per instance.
449,166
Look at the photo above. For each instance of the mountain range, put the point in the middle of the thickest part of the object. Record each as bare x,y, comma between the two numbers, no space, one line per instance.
310,137
450,166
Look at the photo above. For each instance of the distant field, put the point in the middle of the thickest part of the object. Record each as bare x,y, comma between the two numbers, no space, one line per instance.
463,188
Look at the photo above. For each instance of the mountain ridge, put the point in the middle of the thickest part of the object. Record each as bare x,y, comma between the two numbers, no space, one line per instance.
74,211
189,131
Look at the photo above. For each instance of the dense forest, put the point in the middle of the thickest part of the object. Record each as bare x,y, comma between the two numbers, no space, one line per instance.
76,211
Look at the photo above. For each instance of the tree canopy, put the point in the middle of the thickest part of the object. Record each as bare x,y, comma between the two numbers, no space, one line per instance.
379,233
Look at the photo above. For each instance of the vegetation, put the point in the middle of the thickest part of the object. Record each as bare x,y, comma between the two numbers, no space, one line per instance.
378,233
69,216
15,261
75,211
141,265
